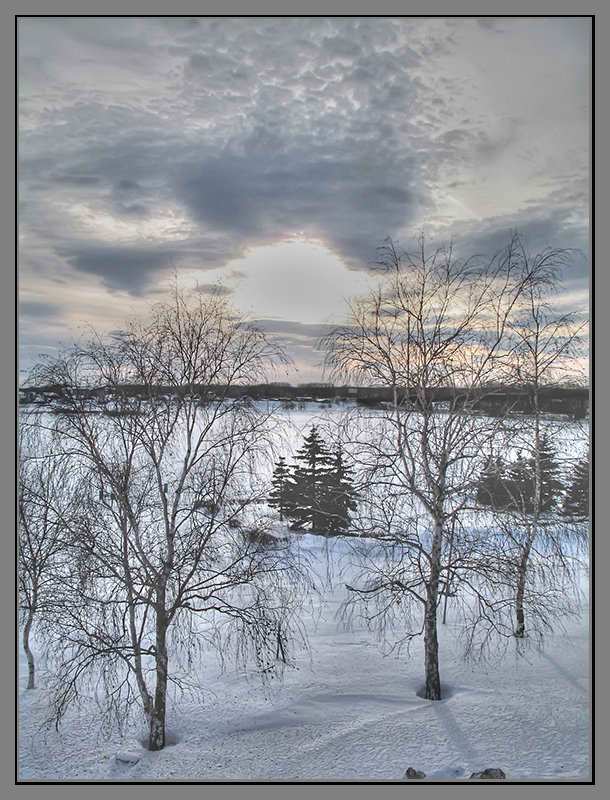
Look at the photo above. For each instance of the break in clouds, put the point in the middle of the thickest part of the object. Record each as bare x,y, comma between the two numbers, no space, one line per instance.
149,147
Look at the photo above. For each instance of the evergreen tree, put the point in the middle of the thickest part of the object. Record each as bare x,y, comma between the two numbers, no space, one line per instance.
576,503
520,483
309,497
551,485
341,496
493,488
486,483
283,488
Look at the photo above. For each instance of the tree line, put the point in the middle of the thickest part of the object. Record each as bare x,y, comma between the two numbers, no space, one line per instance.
512,484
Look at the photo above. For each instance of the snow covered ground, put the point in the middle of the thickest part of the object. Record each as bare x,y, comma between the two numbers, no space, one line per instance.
348,713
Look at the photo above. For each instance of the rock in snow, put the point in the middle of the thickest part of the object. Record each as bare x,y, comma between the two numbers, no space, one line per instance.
414,774
490,774
127,758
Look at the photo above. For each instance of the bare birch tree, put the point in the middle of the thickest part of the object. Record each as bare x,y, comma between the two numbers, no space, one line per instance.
44,499
168,459
546,349
435,332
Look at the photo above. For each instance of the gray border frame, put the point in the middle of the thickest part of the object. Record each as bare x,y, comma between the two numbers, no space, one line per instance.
8,277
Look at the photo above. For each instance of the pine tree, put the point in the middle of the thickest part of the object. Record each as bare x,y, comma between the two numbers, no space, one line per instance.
551,485
493,488
520,484
576,503
341,496
310,483
486,483
283,488
521,480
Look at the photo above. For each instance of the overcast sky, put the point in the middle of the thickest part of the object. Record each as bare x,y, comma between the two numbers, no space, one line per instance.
274,155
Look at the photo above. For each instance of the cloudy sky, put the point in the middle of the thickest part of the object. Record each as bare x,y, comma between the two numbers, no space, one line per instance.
274,156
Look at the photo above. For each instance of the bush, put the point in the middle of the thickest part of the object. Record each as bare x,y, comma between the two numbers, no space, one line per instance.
262,537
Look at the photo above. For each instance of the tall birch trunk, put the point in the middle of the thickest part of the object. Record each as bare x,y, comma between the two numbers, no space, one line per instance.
157,715
156,739
28,652
433,681
532,529
519,598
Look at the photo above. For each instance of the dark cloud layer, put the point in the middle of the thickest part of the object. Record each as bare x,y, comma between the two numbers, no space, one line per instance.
264,196
128,267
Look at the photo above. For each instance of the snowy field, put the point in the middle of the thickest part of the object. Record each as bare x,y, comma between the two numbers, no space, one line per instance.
345,713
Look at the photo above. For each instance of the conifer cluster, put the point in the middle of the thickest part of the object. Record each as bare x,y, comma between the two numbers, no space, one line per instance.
513,485
576,501
317,492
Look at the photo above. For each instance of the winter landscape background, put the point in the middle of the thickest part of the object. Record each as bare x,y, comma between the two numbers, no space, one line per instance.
387,565
345,711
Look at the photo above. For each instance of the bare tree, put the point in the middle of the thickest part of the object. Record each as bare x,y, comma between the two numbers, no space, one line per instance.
44,499
435,332
546,349
167,457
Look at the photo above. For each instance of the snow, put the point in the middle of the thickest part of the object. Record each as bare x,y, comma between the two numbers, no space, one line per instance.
346,713
127,758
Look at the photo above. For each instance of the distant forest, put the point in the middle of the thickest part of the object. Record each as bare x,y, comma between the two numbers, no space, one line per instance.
496,399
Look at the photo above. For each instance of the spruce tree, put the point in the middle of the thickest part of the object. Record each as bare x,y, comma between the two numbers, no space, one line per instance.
341,496
493,488
308,505
282,492
551,486
485,487
520,484
576,503
521,481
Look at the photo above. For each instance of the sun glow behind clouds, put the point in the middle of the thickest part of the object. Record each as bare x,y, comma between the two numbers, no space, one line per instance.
295,280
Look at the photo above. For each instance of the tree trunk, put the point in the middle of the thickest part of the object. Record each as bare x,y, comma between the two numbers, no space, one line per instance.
519,598
156,740
28,652
433,680
449,575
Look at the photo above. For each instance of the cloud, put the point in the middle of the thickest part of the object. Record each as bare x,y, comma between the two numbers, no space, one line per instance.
124,267
152,144
135,209
340,47
492,23
540,228
297,159
215,289
266,196
77,180
295,330
37,309
301,343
